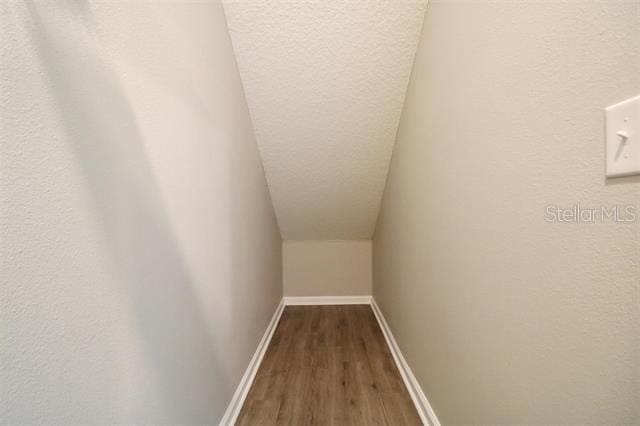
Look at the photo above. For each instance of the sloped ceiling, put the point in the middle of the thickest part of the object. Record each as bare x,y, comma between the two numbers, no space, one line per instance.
325,82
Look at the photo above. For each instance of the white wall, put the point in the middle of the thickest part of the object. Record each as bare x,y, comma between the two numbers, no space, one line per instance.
503,317
326,268
141,259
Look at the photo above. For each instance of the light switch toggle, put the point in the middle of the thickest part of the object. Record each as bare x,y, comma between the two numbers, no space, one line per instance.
623,135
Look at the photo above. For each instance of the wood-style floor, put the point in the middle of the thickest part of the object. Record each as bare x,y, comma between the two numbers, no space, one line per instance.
328,365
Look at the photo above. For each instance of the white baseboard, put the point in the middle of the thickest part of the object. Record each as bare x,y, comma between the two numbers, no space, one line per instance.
427,415
328,300
233,410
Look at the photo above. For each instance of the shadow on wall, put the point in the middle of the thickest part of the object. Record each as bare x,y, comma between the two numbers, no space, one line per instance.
108,147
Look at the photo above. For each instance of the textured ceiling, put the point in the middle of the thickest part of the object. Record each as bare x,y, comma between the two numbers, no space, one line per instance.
325,82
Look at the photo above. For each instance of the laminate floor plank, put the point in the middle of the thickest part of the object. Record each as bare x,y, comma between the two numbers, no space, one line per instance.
328,365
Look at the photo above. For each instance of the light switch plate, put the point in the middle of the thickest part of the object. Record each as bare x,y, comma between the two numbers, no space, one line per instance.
623,138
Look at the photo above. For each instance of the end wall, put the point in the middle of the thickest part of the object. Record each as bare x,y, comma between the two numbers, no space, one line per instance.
326,268
141,258
504,317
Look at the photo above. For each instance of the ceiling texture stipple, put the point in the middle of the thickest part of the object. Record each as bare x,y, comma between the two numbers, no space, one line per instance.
325,82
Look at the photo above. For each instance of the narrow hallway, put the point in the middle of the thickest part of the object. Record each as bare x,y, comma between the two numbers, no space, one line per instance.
328,365
319,212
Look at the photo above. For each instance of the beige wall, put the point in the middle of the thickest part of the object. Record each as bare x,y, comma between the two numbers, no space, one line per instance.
141,259
326,268
503,317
